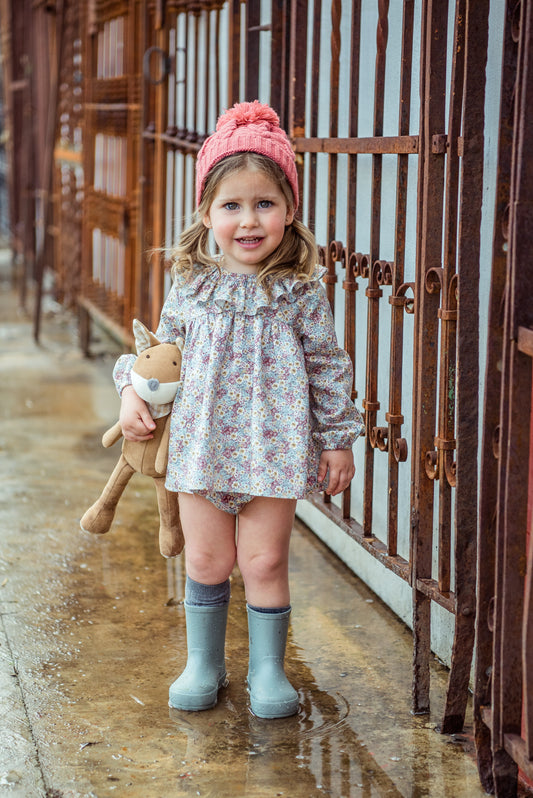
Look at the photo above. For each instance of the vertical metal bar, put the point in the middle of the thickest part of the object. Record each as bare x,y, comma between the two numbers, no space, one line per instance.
335,46
218,69
373,292
486,554
313,120
251,78
350,284
45,180
158,218
516,396
477,31
234,51
396,447
193,134
444,441
430,203
209,71
297,67
280,27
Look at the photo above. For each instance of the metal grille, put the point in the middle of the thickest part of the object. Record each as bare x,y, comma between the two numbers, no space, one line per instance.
504,679
393,193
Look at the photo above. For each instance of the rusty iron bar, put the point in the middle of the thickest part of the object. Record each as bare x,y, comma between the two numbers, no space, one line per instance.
430,207
447,286
373,292
330,278
45,179
279,60
467,414
234,51
313,121
157,268
350,284
383,145
253,17
486,555
397,446
296,97
330,250
512,676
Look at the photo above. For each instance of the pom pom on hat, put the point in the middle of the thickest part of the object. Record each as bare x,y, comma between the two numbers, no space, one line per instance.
247,114
247,127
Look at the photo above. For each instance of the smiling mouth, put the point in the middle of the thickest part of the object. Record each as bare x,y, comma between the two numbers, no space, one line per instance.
251,240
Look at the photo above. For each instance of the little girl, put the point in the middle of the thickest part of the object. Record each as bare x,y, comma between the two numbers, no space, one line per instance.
264,416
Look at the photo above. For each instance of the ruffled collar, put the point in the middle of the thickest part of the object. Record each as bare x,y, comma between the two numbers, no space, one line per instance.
241,292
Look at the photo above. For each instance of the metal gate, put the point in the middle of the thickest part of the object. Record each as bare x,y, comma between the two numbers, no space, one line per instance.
504,678
396,300
112,291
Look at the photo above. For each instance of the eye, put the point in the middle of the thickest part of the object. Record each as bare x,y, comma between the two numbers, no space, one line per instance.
231,206
148,357
265,204
174,363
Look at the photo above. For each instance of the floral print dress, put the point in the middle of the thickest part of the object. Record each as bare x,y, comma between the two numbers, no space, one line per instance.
265,387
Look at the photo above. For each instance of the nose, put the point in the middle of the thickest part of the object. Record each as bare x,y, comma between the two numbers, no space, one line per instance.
248,217
153,384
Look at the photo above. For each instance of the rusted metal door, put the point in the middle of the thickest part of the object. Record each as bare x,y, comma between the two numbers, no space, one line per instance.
504,676
111,290
395,265
430,321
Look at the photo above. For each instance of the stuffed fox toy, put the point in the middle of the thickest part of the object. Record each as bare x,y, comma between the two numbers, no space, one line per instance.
156,379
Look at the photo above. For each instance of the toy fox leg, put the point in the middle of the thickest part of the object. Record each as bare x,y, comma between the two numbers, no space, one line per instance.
170,532
99,517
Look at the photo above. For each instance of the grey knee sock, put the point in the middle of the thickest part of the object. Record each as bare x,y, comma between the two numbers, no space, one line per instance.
201,595
270,610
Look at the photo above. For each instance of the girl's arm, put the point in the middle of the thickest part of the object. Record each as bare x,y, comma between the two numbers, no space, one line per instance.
339,465
135,418
337,422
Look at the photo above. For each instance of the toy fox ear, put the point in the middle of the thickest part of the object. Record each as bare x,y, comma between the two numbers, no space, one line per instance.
144,339
180,343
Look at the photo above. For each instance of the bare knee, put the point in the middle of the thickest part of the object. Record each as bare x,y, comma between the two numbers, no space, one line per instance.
264,567
203,566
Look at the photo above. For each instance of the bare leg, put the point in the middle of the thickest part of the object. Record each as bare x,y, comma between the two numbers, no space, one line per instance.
265,527
210,556
210,548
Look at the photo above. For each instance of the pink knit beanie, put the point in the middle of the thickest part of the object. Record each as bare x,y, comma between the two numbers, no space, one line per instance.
247,127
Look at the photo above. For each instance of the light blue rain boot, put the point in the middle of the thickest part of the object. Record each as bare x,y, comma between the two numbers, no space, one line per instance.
271,693
205,673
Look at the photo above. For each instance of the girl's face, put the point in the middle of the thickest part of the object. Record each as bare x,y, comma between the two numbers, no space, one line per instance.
248,217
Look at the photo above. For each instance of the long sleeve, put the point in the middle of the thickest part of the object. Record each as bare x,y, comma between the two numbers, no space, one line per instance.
336,420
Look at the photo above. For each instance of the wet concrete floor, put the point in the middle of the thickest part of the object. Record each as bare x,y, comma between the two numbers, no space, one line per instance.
92,630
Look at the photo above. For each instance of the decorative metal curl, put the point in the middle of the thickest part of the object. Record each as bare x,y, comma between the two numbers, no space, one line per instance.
400,450
453,292
450,467
337,252
433,280
432,464
362,264
379,438
383,272
400,297
166,64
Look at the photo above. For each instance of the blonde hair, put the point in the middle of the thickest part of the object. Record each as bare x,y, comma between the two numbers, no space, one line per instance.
296,254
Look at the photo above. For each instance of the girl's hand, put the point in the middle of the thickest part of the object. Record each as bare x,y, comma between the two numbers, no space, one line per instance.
339,463
135,418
